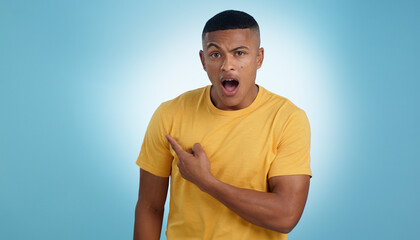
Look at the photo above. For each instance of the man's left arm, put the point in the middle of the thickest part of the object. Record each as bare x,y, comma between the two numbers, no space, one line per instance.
279,209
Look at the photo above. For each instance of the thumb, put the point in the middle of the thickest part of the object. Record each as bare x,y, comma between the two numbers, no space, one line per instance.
198,150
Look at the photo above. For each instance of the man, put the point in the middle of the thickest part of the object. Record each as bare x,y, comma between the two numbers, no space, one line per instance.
238,155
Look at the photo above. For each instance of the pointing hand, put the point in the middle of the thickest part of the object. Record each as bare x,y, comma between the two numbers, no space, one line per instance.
193,164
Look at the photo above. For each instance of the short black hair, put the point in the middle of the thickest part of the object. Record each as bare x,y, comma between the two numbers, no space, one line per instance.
230,19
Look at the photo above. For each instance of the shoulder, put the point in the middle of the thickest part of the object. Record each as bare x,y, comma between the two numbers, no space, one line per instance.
175,110
186,100
284,114
279,103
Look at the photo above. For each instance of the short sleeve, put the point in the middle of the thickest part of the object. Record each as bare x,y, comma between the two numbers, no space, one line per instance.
155,156
293,150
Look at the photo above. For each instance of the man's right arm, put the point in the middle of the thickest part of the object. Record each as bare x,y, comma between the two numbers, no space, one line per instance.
150,206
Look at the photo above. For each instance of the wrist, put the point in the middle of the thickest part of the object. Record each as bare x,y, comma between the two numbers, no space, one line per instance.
207,183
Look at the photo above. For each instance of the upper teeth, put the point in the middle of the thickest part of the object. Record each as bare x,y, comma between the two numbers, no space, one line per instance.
229,80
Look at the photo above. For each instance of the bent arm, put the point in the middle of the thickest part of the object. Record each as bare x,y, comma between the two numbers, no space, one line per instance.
278,210
150,206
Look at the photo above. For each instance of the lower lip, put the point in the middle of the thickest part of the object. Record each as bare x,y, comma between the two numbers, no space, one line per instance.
230,93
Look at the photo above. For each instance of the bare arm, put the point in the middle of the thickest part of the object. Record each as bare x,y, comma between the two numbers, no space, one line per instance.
150,206
279,209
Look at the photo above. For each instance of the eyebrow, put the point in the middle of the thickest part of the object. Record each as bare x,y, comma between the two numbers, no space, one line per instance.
235,49
213,45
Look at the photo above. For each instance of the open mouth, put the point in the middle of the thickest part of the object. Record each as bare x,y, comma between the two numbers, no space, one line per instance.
230,85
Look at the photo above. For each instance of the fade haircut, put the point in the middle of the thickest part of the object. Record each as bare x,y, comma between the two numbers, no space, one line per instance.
231,19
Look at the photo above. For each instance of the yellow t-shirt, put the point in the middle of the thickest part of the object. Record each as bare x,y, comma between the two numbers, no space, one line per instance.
270,137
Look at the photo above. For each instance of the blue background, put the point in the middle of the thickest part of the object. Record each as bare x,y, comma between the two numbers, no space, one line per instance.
81,79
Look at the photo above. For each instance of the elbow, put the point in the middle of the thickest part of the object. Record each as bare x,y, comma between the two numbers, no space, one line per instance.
285,224
284,228
150,208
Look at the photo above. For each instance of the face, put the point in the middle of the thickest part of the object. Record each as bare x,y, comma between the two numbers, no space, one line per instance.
231,59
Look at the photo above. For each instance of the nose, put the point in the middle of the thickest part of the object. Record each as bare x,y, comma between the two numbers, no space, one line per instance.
228,63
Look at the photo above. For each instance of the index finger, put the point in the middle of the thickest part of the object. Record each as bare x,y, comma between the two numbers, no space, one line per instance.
177,148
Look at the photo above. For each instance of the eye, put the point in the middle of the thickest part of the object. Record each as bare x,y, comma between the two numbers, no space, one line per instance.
215,55
240,53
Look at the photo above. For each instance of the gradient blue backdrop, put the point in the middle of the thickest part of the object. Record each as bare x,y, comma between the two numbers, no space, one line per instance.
80,80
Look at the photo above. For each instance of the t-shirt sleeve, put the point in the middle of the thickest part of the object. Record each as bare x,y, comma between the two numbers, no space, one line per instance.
155,156
293,155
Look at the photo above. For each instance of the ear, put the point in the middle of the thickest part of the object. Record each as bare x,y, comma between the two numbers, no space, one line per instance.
260,57
203,61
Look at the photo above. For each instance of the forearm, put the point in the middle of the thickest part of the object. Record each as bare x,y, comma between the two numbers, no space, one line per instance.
278,210
147,223
265,209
